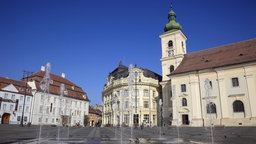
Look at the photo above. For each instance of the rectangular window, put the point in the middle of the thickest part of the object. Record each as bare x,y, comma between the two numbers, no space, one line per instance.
39,120
183,88
235,82
146,104
20,108
154,119
135,92
27,108
4,106
13,96
55,99
41,109
146,118
126,119
28,99
6,96
126,104
145,93
18,118
53,111
21,98
11,107
53,120
25,118
85,106
154,105
47,110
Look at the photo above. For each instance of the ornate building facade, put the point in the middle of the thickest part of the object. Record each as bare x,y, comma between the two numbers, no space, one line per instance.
128,101
216,86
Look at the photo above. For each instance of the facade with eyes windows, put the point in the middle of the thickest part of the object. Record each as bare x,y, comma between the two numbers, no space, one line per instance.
131,104
12,100
54,108
214,86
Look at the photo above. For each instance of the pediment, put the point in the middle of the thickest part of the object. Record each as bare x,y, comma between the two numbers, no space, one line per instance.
184,110
11,88
183,95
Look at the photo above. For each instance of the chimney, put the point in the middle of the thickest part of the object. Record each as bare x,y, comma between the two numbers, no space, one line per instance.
63,75
42,68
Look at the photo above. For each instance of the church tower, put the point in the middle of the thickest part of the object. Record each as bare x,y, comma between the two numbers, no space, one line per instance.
173,43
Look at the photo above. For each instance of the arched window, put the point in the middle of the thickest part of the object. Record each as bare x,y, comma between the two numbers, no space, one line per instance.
171,68
238,106
184,102
211,108
170,43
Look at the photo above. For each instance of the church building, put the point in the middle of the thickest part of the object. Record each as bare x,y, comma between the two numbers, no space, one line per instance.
216,86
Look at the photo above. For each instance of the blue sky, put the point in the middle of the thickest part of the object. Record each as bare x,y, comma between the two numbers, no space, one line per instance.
86,39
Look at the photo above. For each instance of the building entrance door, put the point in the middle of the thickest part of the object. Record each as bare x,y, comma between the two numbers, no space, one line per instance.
136,119
185,120
6,118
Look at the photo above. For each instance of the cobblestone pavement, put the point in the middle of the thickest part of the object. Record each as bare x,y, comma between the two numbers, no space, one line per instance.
125,135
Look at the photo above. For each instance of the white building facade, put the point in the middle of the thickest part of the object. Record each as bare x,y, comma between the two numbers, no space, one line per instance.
15,103
131,104
215,86
52,108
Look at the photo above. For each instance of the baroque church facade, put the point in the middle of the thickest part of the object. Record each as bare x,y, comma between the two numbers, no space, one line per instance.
216,86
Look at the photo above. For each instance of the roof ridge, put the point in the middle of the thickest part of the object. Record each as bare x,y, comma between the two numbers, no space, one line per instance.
221,46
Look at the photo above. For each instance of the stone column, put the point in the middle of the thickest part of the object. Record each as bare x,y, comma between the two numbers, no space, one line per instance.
251,91
223,97
195,94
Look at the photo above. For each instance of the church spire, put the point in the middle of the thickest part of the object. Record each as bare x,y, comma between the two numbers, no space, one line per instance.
172,24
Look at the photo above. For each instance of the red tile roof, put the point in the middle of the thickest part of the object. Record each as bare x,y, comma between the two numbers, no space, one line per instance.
232,54
19,85
73,90
96,111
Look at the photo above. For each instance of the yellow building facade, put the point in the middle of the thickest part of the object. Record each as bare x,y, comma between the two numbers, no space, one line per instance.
131,104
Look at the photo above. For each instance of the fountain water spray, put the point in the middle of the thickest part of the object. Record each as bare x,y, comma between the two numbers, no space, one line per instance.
131,78
44,85
177,111
122,113
62,88
207,87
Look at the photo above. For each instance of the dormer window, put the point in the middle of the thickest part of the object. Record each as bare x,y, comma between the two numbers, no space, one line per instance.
171,68
170,44
66,91
73,87
21,88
